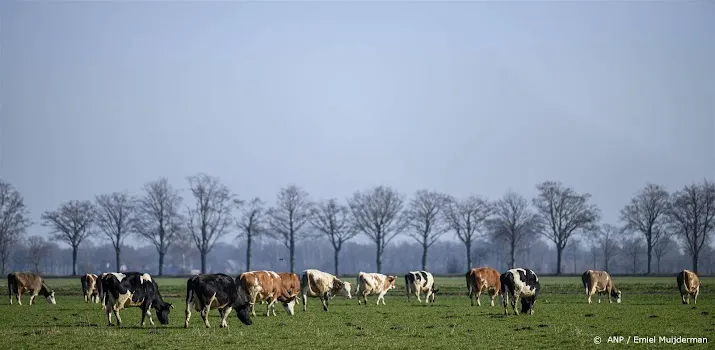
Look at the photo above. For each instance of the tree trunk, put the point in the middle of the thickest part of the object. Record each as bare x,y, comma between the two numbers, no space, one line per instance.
117,251
337,252
3,265
379,258
248,252
74,260
292,253
468,245
37,268
203,260
512,262
161,263
424,257
657,258
559,252
650,250
695,262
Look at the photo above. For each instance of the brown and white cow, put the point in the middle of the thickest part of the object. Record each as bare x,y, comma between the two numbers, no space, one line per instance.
89,288
483,279
268,286
374,283
291,281
688,284
600,282
18,282
316,283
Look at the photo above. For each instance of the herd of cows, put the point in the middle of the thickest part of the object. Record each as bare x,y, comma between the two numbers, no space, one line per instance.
116,291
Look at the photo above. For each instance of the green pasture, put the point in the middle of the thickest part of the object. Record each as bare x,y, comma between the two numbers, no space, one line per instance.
651,307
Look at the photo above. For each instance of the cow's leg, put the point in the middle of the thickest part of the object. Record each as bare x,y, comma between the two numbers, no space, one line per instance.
19,298
119,319
32,298
382,296
305,301
187,313
695,296
505,301
146,311
427,296
205,314
478,294
514,303
608,290
492,296
224,316
470,294
324,299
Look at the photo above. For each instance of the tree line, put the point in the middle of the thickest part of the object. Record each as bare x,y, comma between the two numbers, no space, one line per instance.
160,216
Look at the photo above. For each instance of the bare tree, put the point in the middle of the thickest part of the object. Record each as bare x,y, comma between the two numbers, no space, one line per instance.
333,220
633,246
210,218
465,217
378,213
70,223
645,213
251,223
37,250
606,238
14,220
692,216
158,216
116,218
562,213
665,243
287,218
426,221
515,223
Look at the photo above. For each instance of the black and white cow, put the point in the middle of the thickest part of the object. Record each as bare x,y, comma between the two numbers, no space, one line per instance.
520,284
417,282
133,289
219,291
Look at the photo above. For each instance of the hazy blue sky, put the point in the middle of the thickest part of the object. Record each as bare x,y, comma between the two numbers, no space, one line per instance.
461,97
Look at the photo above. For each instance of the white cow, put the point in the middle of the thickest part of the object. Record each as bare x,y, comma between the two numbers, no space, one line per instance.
417,282
374,283
316,283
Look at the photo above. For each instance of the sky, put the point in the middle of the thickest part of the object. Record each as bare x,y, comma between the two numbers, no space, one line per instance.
461,97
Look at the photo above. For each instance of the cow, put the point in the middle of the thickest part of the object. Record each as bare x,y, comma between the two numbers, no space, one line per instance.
688,284
89,288
374,283
483,279
417,282
219,291
18,282
291,281
316,283
268,286
520,284
133,289
600,282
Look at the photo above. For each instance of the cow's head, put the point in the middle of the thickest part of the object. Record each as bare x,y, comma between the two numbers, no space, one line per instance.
288,302
391,282
342,288
162,312
244,314
51,298
616,295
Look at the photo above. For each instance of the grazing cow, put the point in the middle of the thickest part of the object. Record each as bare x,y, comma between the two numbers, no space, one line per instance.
89,288
688,284
483,279
268,286
374,283
219,291
417,282
291,281
133,289
520,284
600,282
18,282
316,283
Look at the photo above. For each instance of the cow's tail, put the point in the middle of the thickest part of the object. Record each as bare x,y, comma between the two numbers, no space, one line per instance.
407,287
469,285
584,279
189,292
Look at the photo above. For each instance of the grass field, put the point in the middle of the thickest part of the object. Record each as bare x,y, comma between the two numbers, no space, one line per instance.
562,319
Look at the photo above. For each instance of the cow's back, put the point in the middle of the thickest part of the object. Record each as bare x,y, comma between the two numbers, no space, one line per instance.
688,280
487,277
25,280
291,282
316,282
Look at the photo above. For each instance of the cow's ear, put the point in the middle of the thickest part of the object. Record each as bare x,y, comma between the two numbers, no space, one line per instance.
171,306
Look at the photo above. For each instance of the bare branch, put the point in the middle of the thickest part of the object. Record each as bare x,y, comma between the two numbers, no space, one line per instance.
252,218
37,250
466,217
606,239
158,215
14,219
426,221
646,213
71,222
562,212
116,216
291,213
514,222
210,218
691,215
333,220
